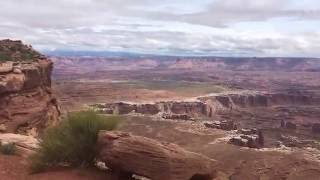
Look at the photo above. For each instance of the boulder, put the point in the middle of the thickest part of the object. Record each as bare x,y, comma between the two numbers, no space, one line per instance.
24,144
130,155
6,67
17,70
11,83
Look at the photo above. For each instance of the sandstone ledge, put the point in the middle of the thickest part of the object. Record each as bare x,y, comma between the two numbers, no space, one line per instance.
128,154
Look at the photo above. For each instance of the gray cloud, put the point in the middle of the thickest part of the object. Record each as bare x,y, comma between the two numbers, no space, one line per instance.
158,26
221,13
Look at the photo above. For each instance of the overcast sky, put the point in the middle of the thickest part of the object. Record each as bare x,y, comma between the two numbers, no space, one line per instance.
204,27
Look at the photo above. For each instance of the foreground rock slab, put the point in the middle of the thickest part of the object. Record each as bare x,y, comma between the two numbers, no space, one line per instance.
25,144
127,154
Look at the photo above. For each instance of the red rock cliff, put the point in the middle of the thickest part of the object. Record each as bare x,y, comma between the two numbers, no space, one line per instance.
27,104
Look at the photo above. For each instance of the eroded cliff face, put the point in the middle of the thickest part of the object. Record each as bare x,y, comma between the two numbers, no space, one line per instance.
257,99
27,104
209,105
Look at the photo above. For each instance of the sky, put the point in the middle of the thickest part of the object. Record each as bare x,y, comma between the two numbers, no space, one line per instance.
175,27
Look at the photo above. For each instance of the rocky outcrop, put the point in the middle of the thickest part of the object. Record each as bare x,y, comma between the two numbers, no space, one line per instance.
177,116
194,109
249,99
27,104
224,125
207,106
24,144
251,138
248,131
128,155
6,67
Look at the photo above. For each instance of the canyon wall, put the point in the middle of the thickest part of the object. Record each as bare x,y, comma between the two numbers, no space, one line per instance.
27,104
259,99
207,106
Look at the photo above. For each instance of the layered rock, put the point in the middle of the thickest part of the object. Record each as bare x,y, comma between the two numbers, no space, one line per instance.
176,116
194,109
128,155
24,144
207,106
248,99
27,104
224,125
251,138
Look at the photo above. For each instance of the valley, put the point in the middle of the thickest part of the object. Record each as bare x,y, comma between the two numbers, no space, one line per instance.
160,90
188,102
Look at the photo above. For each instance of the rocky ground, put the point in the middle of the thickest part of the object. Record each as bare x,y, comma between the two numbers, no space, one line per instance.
236,163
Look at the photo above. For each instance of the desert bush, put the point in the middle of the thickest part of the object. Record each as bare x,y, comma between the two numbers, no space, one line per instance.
73,142
4,57
8,148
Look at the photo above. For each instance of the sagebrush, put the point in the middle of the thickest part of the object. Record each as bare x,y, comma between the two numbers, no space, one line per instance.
73,142
8,148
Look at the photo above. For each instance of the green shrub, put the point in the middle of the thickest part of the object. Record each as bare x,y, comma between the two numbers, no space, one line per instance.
4,57
73,142
8,149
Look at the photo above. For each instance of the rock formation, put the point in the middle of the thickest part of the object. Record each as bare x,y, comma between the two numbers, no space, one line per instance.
251,138
177,116
128,155
24,144
248,99
224,125
27,104
207,106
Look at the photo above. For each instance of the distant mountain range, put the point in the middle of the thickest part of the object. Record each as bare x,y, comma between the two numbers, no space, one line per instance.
91,53
79,65
114,54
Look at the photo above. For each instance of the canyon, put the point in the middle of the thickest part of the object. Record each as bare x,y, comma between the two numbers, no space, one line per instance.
256,117
239,111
